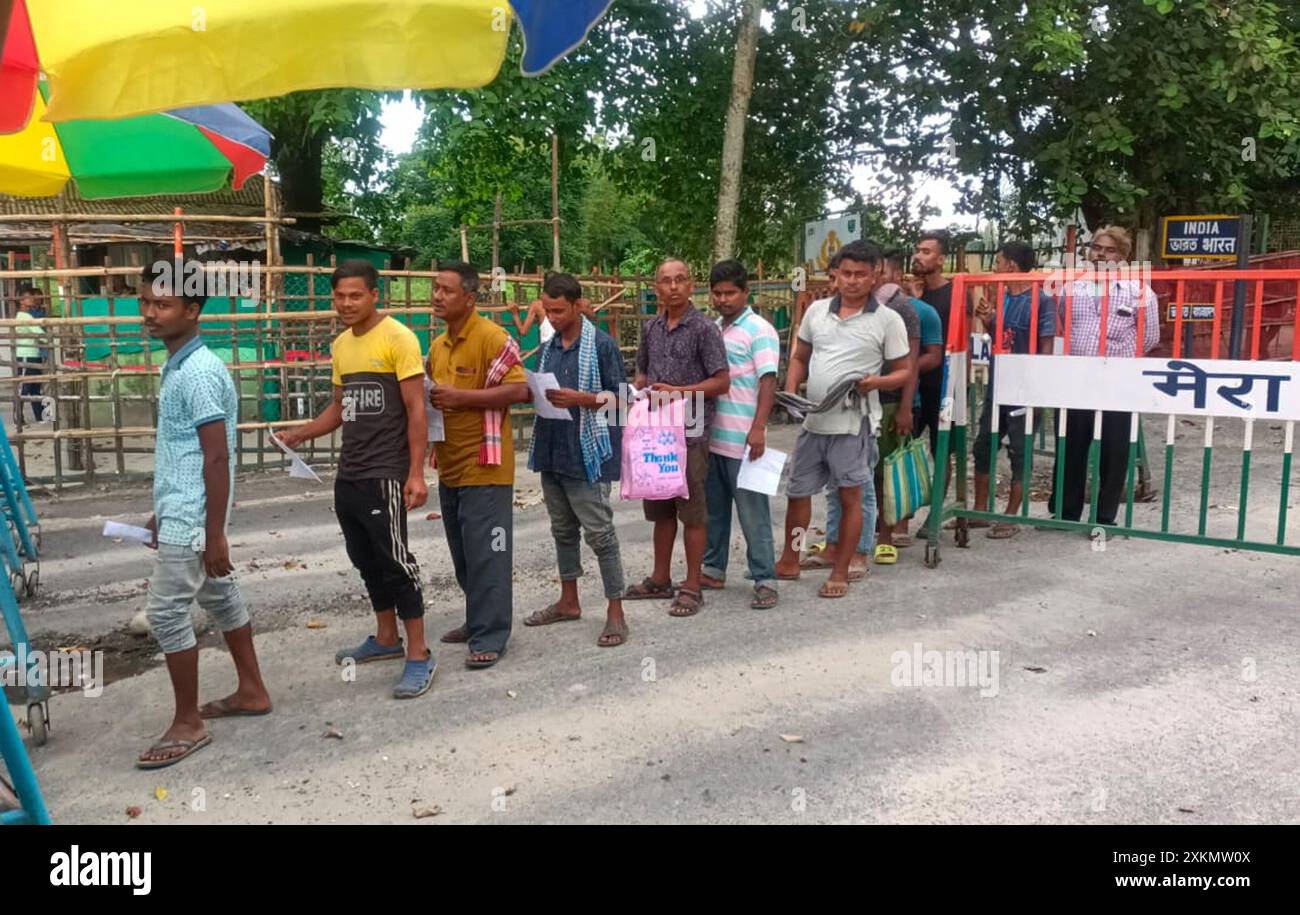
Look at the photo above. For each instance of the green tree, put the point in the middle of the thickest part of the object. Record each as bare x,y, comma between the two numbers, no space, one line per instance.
1126,109
322,140
670,112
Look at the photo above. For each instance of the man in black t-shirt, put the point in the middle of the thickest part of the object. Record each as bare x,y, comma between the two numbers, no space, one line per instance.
927,267
935,289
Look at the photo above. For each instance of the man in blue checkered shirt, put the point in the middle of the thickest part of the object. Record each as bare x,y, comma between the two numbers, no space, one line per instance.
198,410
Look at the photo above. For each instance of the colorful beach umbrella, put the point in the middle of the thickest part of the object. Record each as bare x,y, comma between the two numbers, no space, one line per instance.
116,59
185,151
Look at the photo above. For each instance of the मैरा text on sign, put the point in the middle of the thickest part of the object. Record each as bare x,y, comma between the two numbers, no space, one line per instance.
1205,387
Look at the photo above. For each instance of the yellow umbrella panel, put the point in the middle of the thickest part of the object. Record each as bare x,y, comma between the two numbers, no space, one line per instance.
32,163
137,57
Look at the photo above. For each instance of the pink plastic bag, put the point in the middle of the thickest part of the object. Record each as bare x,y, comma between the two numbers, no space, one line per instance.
654,450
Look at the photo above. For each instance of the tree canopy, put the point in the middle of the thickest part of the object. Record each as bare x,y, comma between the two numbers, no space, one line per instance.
1125,111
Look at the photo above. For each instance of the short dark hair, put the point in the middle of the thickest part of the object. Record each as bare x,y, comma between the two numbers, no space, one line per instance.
942,236
1020,254
170,273
468,275
834,262
563,286
28,289
863,252
356,269
895,256
729,271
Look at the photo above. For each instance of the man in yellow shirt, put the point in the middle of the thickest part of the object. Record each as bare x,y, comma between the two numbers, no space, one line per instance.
379,402
476,374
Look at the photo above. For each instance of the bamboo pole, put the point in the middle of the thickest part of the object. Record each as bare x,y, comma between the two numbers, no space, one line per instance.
496,240
268,204
138,217
555,201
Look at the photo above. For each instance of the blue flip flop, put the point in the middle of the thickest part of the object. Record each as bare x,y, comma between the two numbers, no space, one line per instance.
371,650
417,677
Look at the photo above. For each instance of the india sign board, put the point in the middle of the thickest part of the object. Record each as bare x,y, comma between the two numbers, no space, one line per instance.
826,236
1212,237
1195,387
1192,311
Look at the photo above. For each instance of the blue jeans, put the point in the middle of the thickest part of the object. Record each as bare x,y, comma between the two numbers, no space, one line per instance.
577,507
867,542
755,521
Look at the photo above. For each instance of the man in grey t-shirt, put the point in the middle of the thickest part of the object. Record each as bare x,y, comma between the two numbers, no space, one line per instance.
849,335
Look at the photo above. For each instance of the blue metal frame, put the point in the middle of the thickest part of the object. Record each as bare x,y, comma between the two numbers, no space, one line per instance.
18,503
33,810
19,512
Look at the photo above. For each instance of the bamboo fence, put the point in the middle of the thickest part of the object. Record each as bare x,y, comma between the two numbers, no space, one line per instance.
101,375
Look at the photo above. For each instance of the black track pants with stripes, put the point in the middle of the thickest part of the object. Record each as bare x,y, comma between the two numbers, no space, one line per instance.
373,518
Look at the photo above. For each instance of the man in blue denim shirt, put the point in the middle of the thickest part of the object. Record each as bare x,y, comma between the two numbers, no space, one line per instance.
198,409
579,458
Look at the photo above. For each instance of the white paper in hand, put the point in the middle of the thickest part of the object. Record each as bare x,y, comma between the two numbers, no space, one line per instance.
298,468
762,475
433,416
117,531
539,383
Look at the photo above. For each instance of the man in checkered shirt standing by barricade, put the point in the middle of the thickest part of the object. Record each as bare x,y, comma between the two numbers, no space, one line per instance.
1131,306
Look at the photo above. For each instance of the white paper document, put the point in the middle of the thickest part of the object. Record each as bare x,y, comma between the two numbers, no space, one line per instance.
764,474
433,416
115,530
298,468
539,383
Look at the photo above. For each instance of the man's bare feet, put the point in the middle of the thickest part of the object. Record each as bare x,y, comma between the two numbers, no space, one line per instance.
787,568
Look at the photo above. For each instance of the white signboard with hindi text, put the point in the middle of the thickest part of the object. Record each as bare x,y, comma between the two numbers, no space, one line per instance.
1195,387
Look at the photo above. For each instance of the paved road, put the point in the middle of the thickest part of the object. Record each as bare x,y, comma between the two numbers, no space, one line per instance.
1144,683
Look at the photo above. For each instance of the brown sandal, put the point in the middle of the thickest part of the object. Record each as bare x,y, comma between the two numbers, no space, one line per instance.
817,562
550,615
709,583
833,589
686,603
765,598
457,636
613,630
649,589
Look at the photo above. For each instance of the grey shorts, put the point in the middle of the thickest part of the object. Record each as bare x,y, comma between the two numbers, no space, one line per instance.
843,461
178,581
